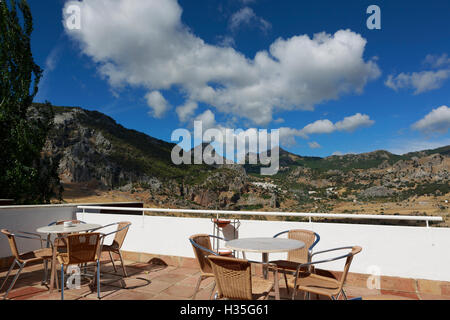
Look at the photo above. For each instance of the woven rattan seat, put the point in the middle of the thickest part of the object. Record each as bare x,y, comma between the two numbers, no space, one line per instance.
261,288
320,284
288,265
201,244
36,255
317,284
82,248
22,259
299,256
114,248
235,282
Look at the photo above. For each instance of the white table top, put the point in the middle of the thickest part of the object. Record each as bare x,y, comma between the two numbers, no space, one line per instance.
264,245
74,228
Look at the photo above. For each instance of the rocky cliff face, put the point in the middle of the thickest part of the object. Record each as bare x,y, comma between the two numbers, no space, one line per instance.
95,150
86,154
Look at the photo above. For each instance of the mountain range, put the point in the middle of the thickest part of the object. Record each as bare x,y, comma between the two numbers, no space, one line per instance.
98,153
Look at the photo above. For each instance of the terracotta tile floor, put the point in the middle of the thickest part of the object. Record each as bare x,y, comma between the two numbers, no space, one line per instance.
146,282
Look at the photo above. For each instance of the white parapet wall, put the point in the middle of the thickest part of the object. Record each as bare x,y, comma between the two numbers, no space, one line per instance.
400,251
407,252
29,218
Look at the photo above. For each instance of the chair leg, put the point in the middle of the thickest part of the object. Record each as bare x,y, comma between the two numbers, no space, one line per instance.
123,265
21,266
98,278
53,276
112,261
277,288
294,290
343,295
7,275
62,282
286,282
200,279
212,290
44,281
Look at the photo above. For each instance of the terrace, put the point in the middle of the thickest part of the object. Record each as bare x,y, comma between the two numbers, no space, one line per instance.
405,261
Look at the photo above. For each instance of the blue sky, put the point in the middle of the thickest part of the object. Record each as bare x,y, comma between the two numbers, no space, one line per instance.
155,66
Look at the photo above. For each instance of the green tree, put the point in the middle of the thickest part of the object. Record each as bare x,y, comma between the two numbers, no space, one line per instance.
27,174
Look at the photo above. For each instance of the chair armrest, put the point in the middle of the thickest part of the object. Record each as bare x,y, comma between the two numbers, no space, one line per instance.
217,237
29,236
329,250
110,233
202,248
315,241
321,261
280,233
106,226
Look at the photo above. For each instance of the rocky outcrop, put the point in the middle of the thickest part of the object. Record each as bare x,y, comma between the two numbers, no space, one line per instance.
92,147
377,191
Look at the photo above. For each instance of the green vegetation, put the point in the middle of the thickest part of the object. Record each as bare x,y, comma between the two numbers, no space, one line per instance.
138,152
424,189
252,207
27,175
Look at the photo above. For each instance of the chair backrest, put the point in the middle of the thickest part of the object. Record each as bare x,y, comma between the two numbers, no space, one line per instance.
83,247
12,243
306,236
122,230
233,277
355,250
203,241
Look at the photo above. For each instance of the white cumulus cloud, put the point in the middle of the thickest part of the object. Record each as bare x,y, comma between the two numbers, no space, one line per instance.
314,145
208,119
157,103
145,44
325,126
437,121
425,80
246,16
186,111
437,61
420,81
354,122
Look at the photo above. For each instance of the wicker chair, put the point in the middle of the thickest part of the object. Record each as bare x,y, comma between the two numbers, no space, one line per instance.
82,248
235,282
320,284
22,259
201,243
119,238
299,256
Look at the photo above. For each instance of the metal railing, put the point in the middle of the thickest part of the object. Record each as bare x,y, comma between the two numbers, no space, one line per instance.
218,213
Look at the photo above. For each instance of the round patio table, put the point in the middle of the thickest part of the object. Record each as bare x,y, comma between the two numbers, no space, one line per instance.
264,246
60,229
